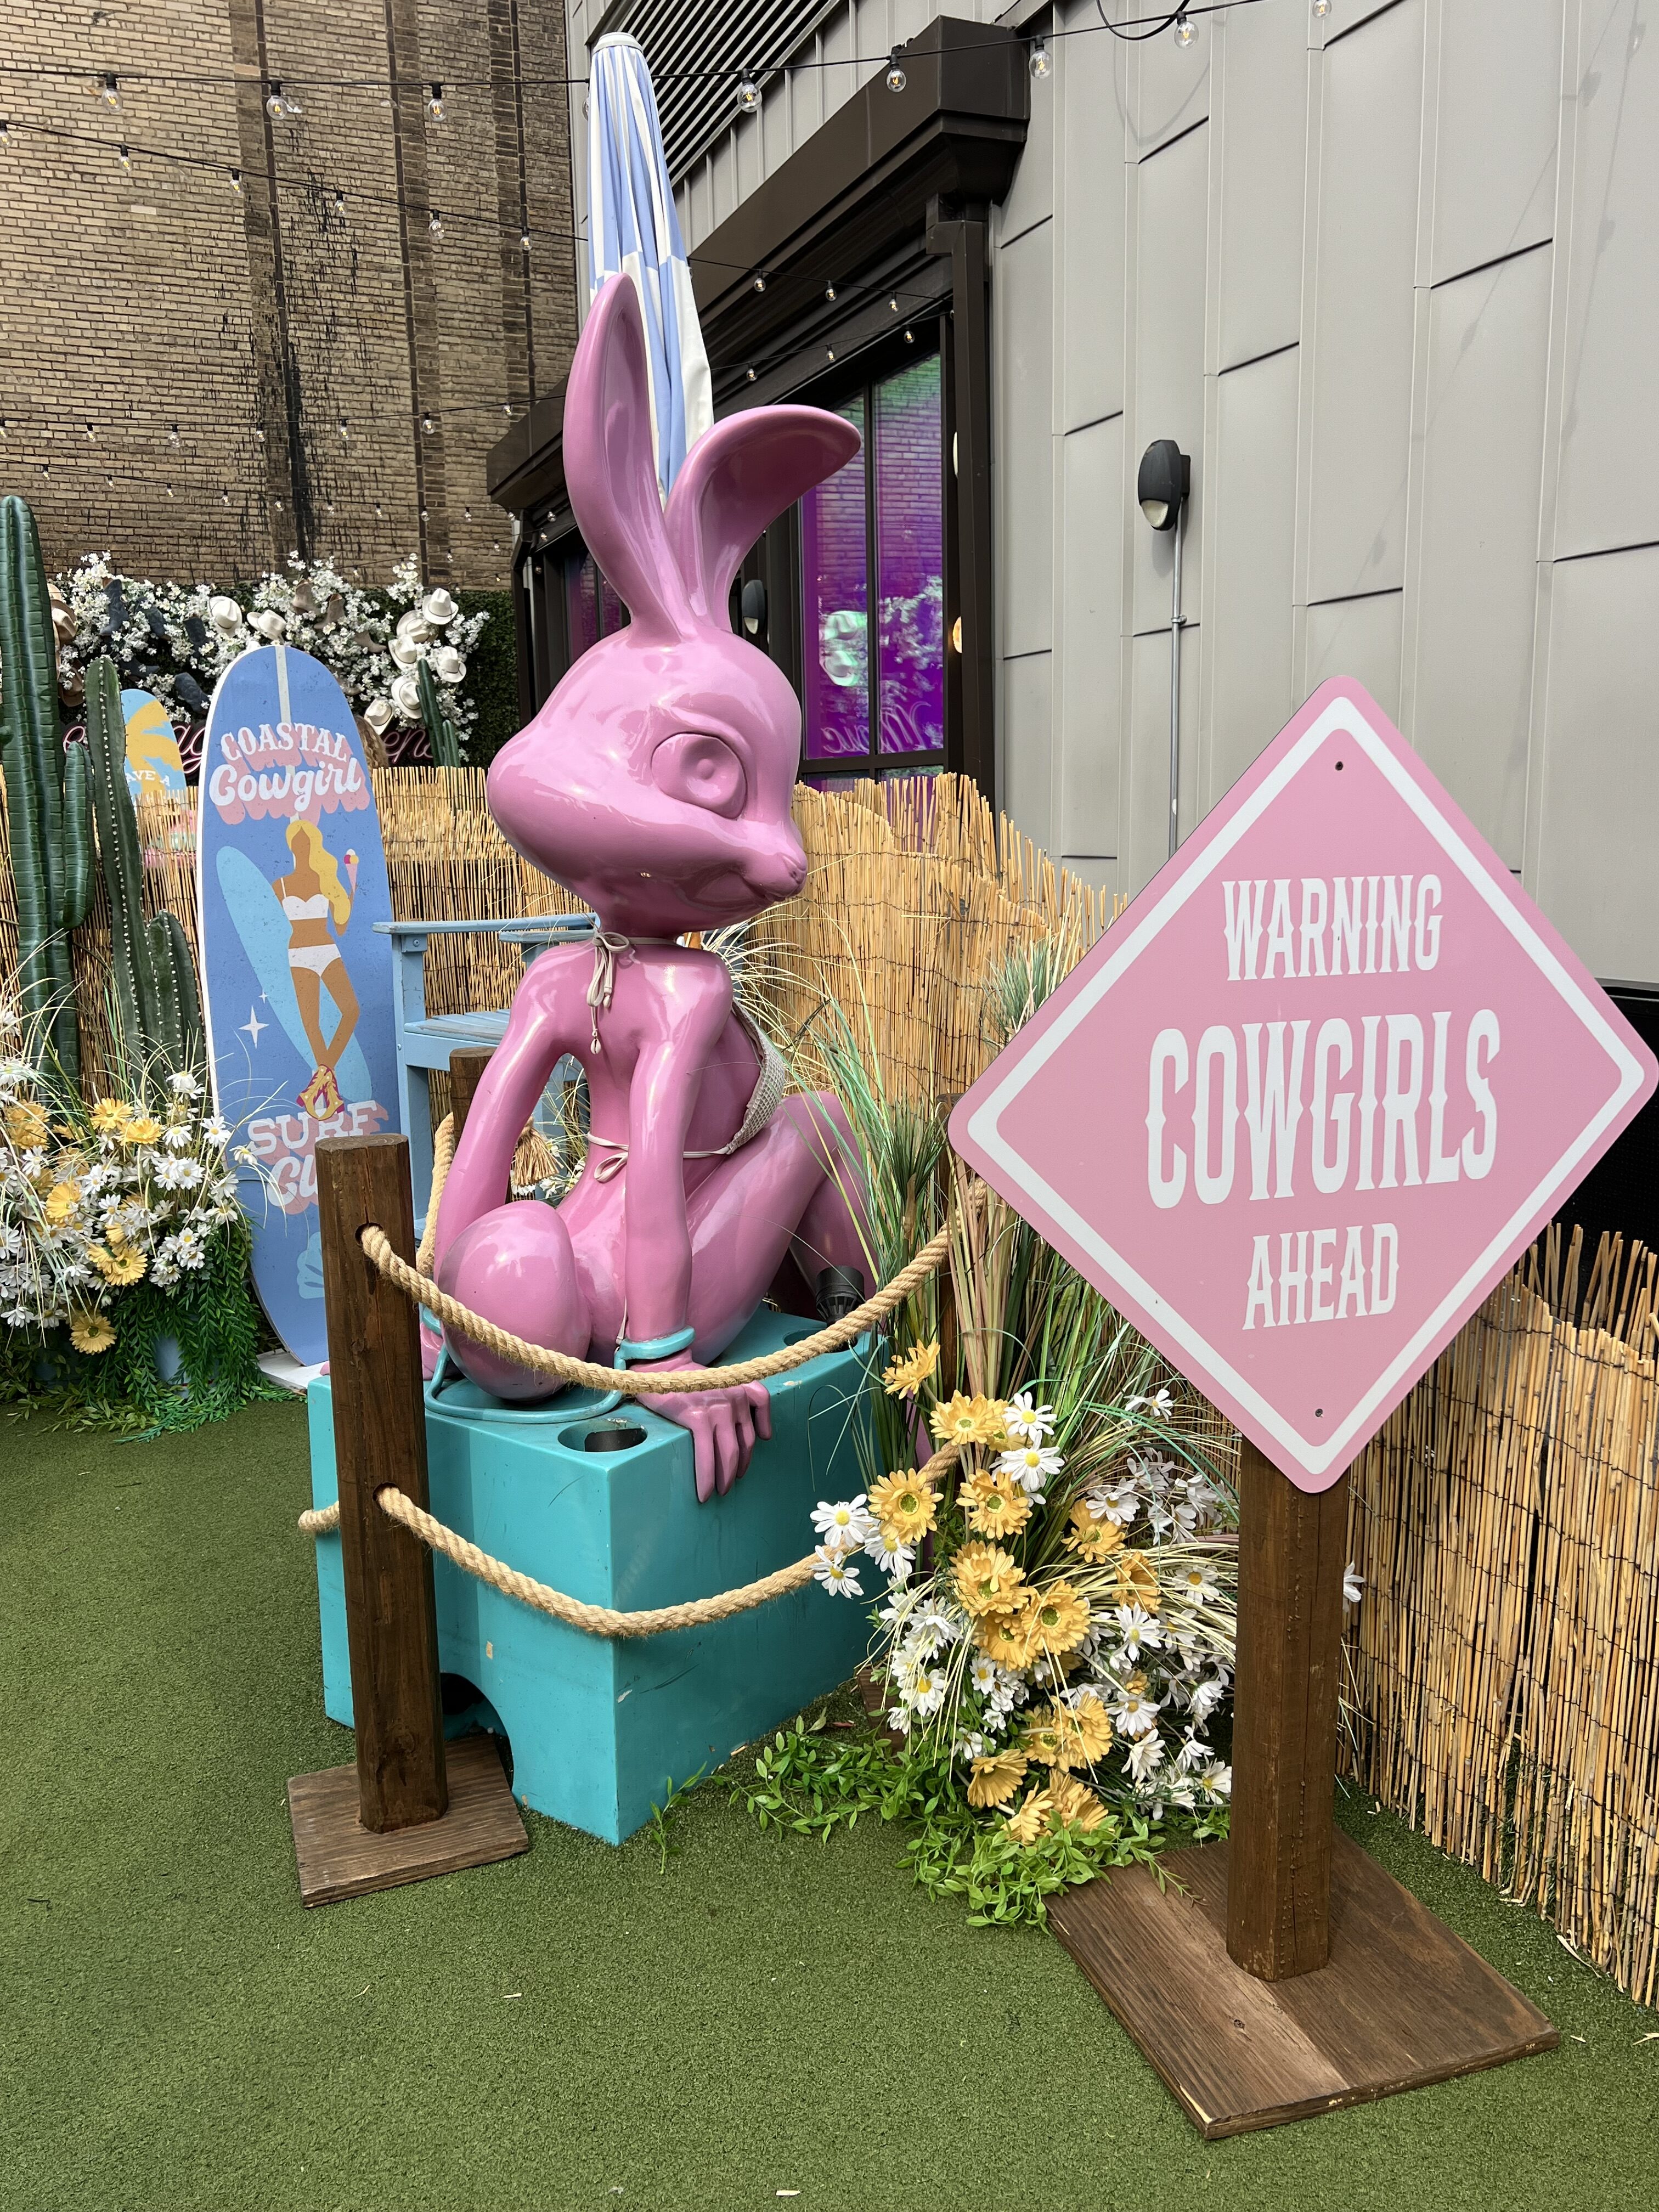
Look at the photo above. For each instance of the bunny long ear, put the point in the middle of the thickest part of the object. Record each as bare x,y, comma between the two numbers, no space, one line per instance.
737,477
609,461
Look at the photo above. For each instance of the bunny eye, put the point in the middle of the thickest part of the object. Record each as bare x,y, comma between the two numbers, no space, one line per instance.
701,769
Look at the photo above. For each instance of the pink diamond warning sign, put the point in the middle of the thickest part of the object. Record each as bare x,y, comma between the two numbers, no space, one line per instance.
1309,1097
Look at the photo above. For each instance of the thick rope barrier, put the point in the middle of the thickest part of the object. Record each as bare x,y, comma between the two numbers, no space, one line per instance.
416,1282
636,1382
592,1619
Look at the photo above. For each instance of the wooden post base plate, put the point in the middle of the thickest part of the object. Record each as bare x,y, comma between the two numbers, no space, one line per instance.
338,1858
1402,2001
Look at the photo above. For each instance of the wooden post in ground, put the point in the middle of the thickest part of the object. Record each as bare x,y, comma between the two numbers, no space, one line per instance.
466,1066
1291,1549
1284,1973
404,1810
379,1438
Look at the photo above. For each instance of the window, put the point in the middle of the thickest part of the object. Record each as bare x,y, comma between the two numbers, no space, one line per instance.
883,513
592,609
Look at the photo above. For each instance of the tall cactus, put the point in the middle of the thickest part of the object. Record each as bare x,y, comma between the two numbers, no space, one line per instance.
158,1013
439,730
47,816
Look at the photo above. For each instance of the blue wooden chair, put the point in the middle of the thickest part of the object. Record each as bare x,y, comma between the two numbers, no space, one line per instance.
426,1041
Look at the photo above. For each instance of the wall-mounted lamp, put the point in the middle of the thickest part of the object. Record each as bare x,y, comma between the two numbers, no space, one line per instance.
753,605
1164,485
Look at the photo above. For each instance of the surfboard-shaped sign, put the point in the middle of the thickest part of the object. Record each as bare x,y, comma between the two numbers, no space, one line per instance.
153,762
290,881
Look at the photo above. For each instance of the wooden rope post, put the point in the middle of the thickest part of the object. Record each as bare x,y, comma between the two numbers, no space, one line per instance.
379,1438
466,1066
1291,1549
406,1809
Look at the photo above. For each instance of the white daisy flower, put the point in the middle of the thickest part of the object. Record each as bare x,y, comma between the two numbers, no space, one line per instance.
1161,1403
1031,1424
832,1566
1217,1780
1119,1503
184,1084
1196,1587
1031,1465
849,1524
895,1560
1353,1587
1136,1713
1138,1632
1145,1756
1193,1754
982,1672
1207,1696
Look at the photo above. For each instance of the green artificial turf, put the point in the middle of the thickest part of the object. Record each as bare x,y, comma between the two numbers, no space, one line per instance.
577,2027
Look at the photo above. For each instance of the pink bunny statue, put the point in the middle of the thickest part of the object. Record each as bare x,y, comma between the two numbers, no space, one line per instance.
655,783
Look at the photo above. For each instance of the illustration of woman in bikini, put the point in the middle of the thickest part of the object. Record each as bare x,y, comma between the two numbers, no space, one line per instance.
312,894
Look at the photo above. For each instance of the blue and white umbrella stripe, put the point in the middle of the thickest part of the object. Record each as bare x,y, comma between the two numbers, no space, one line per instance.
633,228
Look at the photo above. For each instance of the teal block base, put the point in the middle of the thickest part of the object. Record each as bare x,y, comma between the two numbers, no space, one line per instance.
600,1729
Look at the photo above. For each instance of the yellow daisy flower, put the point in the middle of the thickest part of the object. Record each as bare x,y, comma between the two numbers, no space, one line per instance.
986,1579
1071,1806
968,1420
61,1201
994,1503
1028,1823
26,1125
904,1506
995,1778
1060,1617
124,1264
140,1129
1070,1735
1091,1539
905,1376
91,1332
109,1115
1136,1583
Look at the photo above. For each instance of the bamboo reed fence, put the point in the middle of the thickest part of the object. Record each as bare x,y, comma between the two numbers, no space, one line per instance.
1503,1661
1503,1664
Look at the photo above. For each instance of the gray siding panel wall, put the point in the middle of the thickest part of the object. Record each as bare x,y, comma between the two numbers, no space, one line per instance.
1392,278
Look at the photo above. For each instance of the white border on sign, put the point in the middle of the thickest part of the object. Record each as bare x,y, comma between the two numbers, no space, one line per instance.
1315,1455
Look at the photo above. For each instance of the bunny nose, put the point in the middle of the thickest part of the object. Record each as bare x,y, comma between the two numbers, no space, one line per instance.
778,869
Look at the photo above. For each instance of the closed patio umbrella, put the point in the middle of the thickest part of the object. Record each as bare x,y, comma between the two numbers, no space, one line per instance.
633,228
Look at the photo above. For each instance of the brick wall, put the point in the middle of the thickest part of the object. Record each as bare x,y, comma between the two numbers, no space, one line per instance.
177,359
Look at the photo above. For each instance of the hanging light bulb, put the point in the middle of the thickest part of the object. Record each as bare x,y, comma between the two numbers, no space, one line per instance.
909,337
1185,31
748,95
173,434
434,223
91,433
169,491
1040,65
524,241
760,283
749,376
345,431
426,424
893,304
1322,7
110,90
5,129
339,201
829,291
276,108
236,182
125,160
434,103
830,350
896,79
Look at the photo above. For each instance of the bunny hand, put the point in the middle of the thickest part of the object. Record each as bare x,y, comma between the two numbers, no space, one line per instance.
724,1424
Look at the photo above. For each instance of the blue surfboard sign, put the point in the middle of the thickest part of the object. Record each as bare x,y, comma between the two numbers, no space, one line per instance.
290,882
153,762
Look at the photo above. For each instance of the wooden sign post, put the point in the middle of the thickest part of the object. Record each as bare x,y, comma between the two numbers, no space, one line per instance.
1286,1115
406,1808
